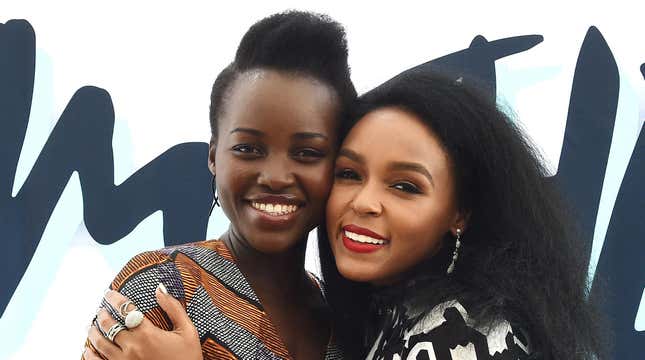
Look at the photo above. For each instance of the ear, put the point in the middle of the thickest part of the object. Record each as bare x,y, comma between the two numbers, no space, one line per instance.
460,222
211,154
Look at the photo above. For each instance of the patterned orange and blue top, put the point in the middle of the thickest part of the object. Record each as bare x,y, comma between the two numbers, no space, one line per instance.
230,320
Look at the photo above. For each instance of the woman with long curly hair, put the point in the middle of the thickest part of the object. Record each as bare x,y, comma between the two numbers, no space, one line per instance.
444,239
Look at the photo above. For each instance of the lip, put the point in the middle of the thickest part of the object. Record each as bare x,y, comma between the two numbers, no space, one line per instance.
363,231
274,222
359,247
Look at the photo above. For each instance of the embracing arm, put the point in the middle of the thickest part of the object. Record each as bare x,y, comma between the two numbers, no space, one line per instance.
153,283
138,281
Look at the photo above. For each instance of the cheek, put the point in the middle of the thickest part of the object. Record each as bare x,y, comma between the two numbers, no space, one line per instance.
233,180
336,207
317,181
337,204
425,232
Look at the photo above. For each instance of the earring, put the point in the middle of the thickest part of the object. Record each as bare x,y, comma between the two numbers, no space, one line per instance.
215,198
455,254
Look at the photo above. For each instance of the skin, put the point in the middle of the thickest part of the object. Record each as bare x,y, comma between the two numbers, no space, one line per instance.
405,194
288,151
277,136
144,341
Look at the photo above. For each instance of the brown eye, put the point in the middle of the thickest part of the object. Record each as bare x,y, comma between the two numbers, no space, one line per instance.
347,174
247,150
407,187
308,155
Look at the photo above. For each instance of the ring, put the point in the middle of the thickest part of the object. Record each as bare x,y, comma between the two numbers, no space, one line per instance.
123,309
98,326
114,329
133,319
112,311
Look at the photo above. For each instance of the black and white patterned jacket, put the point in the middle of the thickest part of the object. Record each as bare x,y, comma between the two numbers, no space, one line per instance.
446,332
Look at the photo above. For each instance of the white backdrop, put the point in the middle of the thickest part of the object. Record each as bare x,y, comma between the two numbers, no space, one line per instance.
158,61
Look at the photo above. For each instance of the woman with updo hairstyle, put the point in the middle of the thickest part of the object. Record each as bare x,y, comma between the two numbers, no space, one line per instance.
275,115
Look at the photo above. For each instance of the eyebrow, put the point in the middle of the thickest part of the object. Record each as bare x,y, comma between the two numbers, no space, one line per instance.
411,166
397,165
308,135
299,136
352,155
248,131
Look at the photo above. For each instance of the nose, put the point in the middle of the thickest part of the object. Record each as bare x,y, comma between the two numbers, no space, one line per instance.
366,201
276,174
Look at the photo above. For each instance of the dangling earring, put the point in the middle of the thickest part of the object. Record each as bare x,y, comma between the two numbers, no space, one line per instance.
455,254
215,198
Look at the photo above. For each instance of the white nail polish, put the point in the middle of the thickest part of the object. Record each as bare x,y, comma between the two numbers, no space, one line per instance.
162,288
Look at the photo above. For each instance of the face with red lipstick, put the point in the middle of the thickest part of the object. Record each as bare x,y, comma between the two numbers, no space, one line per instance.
273,157
393,199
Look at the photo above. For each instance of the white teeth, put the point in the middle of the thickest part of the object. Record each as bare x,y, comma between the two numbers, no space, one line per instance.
274,209
364,238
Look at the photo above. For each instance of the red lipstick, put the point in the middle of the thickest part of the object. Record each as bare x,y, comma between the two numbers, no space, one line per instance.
362,231
361,247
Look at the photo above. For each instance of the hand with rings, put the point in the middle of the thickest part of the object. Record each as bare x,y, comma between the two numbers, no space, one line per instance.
120,331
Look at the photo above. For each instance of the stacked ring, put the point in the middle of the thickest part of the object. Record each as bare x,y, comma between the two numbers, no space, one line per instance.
114,330
123,309
112,311
98,326
129,319
132,318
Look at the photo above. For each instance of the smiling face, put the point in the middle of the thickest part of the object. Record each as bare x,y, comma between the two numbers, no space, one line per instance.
273,157
393,199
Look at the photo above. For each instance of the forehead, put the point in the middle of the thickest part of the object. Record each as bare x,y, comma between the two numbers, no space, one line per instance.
280,102
392,134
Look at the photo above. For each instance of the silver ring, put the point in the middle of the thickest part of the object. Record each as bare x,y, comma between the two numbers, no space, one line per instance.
98,326
114,329
123,309
112,311
133,319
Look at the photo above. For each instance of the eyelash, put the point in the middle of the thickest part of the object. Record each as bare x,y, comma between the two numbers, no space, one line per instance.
306,155
247,150
407,187
347,174
403,186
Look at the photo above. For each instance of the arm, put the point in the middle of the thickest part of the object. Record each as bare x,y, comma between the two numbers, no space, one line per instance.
166,332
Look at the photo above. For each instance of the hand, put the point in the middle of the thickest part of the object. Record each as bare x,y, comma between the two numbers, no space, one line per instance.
145,341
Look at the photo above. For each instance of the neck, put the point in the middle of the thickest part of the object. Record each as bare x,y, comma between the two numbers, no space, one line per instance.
268,272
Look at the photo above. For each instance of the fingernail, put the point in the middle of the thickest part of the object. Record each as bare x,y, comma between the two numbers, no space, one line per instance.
162,288
106,291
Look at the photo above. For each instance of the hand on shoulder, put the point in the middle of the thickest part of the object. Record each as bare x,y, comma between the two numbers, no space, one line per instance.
144,341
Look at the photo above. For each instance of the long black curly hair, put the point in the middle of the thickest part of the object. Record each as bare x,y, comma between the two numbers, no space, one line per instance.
520,256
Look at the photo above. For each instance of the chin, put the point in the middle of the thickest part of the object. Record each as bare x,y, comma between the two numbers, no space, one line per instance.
356,272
